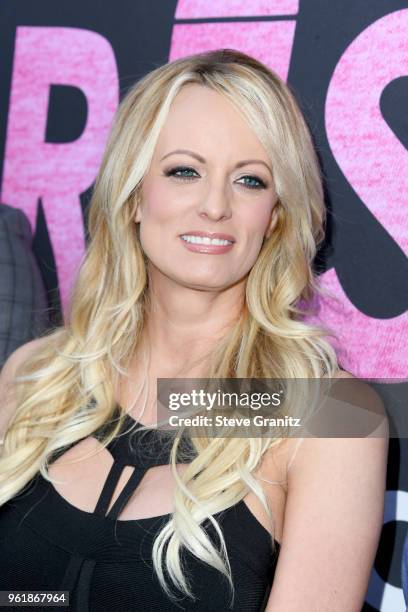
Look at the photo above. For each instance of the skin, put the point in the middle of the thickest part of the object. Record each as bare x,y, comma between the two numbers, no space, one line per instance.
330,520
195,295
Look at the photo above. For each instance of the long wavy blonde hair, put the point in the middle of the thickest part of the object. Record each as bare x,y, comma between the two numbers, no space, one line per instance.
66,390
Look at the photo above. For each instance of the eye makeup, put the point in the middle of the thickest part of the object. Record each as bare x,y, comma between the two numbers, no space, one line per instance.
174,172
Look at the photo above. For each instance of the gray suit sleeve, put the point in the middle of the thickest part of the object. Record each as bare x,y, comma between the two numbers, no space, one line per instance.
23,300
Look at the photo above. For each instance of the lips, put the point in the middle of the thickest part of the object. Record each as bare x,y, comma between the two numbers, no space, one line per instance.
209,235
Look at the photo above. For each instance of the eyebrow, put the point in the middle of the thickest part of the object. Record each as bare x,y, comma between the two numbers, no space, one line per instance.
201,159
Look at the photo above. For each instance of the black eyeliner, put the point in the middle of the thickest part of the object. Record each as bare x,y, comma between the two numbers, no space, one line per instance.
172,172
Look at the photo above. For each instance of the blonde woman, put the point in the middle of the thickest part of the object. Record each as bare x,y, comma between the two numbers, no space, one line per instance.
211,145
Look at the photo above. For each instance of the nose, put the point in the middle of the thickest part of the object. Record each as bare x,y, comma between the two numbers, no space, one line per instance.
215,204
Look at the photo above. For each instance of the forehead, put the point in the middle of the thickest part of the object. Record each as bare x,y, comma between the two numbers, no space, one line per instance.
202,119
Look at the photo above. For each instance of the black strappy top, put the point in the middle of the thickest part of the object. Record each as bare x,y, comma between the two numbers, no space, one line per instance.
47,544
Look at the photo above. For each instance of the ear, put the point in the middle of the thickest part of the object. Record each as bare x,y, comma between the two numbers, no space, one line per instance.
274,219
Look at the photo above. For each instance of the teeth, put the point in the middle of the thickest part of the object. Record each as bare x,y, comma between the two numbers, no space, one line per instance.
204,240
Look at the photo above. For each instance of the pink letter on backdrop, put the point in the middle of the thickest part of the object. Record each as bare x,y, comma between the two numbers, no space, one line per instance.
57,172
368,347
192,9
375,163
268,41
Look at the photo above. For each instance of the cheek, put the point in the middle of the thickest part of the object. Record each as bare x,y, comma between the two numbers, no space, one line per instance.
265,216
156,205
160,220
257,220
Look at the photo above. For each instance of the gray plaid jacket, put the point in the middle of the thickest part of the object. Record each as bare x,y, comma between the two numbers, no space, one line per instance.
23,301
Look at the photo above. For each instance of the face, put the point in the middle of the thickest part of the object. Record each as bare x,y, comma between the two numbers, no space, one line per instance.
209,175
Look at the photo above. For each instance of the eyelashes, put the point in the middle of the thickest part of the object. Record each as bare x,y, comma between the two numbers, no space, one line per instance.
174,172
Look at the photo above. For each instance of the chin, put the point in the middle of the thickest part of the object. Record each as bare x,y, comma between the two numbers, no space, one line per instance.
201,284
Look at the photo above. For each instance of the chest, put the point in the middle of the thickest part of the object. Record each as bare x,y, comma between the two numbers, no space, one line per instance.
88,471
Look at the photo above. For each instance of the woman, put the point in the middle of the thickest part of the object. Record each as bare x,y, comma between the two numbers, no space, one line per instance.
213,145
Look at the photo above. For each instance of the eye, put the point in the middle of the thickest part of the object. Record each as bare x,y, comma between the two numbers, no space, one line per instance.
181,169
259,183
186,173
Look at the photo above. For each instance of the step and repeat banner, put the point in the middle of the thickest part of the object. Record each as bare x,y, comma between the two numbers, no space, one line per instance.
64,67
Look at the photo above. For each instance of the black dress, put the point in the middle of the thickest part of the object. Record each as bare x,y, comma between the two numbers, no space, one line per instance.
46,543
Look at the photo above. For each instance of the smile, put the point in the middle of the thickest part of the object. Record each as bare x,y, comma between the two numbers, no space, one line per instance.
206,245
204,240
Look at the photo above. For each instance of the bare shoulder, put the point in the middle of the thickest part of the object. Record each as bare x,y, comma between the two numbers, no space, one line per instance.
334,511
7,375
357,399
18,356
280,458
343,374
357,395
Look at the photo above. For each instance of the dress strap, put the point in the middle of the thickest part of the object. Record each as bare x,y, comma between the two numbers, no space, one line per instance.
126,492
108,488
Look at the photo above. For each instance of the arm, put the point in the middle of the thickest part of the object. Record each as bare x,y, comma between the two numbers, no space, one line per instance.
332,524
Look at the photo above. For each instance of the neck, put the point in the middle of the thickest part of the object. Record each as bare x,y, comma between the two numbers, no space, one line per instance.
184,323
